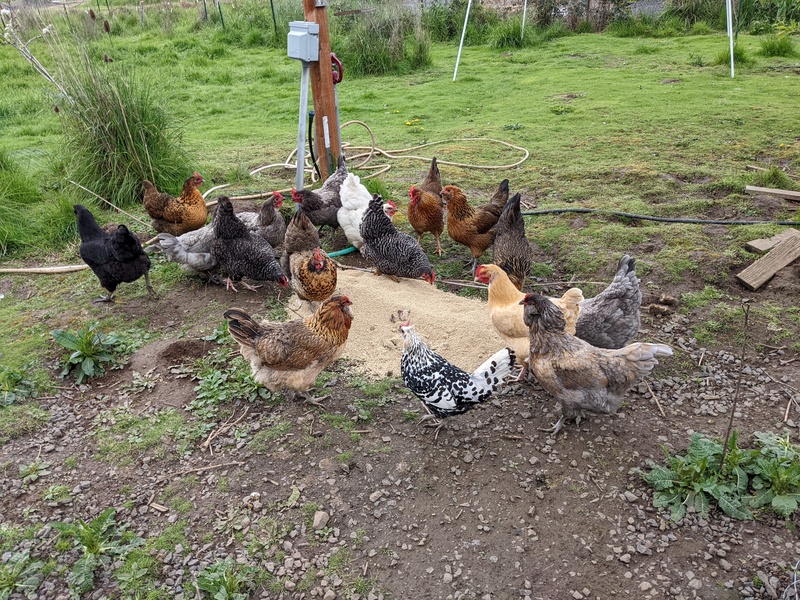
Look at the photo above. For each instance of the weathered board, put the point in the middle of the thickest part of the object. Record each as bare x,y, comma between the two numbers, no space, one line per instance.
787,194
782,255
761,245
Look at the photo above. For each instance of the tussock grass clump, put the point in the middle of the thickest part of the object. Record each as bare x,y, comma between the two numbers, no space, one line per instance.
776,45
773,178
689,12
701,28
444,22
116,131
646,26
740,56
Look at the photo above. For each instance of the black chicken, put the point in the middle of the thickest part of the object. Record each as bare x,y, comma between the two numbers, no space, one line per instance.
115,258
242,253
512,251
394,253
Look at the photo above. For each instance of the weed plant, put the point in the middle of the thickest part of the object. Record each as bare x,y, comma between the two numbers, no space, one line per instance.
92,351
777,45
20,575
740,56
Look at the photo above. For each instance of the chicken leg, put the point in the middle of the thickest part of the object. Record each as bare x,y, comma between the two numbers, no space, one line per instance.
107,298
150,289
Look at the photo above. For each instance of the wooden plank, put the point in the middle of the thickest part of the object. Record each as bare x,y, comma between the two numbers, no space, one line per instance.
782,255
761,245
786,194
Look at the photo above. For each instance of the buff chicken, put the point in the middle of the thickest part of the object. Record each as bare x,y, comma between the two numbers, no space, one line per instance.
311,273
173,215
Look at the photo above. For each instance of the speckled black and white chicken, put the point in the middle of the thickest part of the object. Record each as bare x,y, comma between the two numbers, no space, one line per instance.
444,388
242,253
393,252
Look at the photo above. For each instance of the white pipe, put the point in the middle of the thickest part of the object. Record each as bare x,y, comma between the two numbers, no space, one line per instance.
301,128
729,10
461,43
524,12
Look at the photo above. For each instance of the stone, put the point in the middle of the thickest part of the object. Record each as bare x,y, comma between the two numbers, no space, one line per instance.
321,519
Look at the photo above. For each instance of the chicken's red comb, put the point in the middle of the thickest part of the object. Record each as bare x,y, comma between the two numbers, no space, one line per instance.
196,174
393,205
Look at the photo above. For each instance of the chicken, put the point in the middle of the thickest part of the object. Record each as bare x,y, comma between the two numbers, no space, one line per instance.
192,250
355,198
322,205
289,356
433,180
507,314
115,258
444,388
473,227
426,213
176,215
578,375
240,252
511,250
311,272
611,319
389,209
394,253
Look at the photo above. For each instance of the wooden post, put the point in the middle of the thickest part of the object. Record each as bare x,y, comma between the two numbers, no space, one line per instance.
322,92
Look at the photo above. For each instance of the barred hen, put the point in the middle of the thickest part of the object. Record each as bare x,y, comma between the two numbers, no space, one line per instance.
611,319
444,388
242,253
114,258
322,205
578,375
176,215
393,253
289,356
311,272
192,250
511,249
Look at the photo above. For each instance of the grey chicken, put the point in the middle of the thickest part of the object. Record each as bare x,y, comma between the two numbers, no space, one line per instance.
611,319
240,252
114,258
323,204
444,388
578,375
192,250
393,253
511,250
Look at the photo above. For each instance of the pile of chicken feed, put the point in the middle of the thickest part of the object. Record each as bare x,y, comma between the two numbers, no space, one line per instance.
457,328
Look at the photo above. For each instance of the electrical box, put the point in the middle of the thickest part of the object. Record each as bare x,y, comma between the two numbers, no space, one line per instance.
303,41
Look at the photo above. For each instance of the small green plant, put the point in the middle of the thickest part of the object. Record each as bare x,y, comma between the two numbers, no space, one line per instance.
92,351
100,541
776,474
740,56
777,45
20,575
701,28
31,472
13,386
226,580
57,493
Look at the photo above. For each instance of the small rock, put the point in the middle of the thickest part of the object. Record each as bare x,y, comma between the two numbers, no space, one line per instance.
321,519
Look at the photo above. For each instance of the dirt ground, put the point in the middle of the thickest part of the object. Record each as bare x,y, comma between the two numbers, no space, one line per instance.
492,508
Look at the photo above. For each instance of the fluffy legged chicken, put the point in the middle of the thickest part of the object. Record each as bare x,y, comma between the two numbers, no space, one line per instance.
426,213
289,356
114,258
473,227
176,215
511,250
578,375
444,388
507,314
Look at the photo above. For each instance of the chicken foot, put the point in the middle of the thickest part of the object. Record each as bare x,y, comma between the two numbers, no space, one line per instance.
305,396
437,423
149,287
230,286
107,298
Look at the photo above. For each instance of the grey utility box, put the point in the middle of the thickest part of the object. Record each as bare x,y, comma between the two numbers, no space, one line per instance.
303,41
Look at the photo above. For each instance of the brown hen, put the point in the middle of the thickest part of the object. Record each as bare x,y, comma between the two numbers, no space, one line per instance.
578,375
426,213
511,250
289,356
473,227
433,180
312,273
173,215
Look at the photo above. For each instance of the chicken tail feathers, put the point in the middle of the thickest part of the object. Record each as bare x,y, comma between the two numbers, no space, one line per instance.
644,355
242,327
495,370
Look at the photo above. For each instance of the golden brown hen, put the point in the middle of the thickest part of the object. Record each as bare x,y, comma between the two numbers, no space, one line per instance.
473,227
173,215
312,273
507,314
578,375
433,179
289,356
426,213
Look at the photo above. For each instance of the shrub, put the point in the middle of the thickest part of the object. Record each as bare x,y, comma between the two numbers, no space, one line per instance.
777,45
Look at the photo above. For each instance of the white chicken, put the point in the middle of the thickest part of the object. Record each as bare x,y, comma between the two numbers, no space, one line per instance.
355,199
